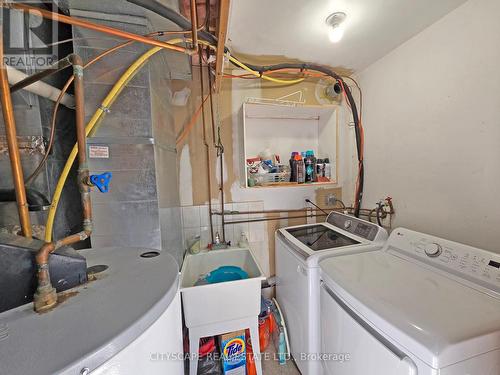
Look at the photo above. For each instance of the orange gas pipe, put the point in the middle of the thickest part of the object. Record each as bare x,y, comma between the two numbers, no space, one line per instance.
92,26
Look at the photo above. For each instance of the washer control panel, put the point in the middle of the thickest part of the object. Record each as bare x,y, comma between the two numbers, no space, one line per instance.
433,250
361,228
459,259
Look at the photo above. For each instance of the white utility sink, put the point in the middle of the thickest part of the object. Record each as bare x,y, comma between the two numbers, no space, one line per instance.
214,303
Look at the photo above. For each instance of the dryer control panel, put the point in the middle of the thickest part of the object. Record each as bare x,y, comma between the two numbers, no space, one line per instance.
477,265
351,224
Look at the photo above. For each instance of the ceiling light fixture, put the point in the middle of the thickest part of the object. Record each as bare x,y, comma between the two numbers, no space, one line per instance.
336,28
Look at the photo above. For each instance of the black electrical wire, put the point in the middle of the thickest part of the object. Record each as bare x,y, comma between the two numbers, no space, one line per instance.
36,200
357,125
185,24
173,16
377,213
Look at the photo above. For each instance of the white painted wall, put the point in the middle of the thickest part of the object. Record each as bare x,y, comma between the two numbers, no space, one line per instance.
297,29
285,197
432,119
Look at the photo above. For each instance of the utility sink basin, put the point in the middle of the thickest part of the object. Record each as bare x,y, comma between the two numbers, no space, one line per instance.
213,303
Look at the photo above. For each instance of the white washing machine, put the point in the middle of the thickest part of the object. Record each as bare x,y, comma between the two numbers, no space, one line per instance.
298,251
422,305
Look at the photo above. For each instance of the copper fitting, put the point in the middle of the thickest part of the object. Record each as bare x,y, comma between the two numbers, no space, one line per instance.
194,25
46,297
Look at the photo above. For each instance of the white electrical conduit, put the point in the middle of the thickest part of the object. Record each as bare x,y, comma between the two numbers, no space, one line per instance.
40,88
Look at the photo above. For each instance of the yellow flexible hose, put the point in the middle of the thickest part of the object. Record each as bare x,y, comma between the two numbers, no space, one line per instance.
108,101
98,114
267,78
241,65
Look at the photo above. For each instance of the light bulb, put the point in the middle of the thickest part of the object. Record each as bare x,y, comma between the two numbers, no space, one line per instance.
335,21
336,33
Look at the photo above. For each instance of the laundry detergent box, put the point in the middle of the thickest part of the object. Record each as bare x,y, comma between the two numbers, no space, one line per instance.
233,350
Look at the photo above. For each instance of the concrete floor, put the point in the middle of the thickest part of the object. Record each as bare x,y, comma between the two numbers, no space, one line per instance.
271,367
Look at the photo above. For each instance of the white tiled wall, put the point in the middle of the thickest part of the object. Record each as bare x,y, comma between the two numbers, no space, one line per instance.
196,221
171,232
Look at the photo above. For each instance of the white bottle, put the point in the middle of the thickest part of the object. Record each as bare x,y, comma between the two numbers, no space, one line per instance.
327,168
243,242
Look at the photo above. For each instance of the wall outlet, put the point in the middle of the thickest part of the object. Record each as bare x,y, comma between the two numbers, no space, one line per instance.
330,200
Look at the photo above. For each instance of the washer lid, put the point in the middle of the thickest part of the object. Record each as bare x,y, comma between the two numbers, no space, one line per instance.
319,237
436,318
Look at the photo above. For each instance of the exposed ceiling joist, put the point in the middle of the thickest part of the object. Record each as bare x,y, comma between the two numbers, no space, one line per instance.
221,36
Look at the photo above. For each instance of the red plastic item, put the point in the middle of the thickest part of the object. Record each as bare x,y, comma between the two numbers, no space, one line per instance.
207,346
264,332
251,369
266,326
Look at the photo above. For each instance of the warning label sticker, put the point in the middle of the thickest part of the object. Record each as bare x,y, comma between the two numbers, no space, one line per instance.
98,152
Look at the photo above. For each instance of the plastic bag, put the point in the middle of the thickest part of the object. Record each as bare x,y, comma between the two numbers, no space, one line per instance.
209,362
209,365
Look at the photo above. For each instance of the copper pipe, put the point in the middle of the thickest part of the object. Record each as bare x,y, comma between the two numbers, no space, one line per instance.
83,170
349,209
274,218
284,218
15,158
210,84
207,149
92,26
221,187
297,210
35,173
194,25
46,297
271,219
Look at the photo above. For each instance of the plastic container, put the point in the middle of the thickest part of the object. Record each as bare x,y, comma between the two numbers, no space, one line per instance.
320,169
327,169
271,178
310,167
264,332
293,161
226,273
299,169
251,369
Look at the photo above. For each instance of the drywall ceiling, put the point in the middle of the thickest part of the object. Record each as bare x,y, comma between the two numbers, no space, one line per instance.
296,29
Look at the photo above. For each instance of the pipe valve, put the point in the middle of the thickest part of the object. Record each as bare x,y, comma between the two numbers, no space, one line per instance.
101,181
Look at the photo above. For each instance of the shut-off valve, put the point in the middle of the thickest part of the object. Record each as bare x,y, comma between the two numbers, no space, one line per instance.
101,181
